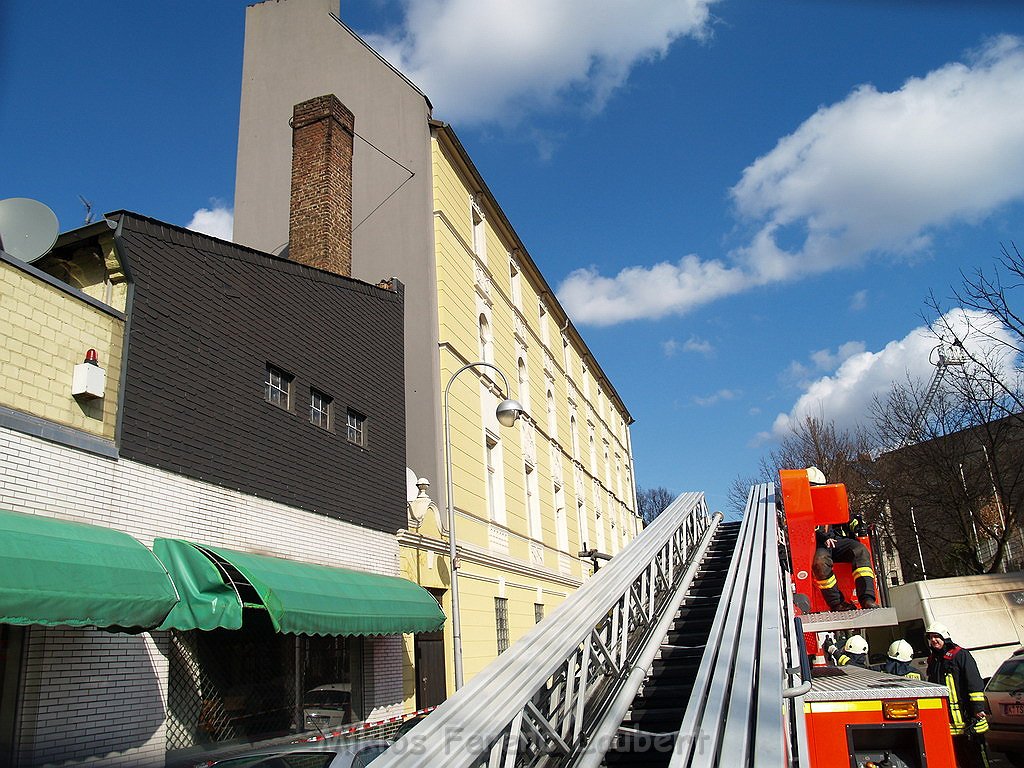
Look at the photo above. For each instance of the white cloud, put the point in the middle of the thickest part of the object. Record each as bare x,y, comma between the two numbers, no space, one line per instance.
827,360
845,396
487,60
694,344
722,394
648,292
859,300
877,173
217,222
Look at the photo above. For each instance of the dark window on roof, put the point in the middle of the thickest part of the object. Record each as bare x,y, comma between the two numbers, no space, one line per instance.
356,428
320,410
278,388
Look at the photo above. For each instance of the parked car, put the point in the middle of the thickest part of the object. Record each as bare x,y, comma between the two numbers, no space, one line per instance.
1004,696
407,725
325,753
327,706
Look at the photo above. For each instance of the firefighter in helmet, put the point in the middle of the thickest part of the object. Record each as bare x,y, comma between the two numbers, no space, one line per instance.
900,653
838,543
954,667
854,653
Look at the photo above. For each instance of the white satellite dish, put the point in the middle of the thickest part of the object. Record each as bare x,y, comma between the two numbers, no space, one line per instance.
28,229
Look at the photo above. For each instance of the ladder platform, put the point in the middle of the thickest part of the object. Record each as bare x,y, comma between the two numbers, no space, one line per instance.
832,620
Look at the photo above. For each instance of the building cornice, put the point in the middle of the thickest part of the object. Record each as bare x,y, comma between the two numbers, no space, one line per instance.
471,554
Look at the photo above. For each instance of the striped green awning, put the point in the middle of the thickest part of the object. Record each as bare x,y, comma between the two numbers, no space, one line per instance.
55,572
301,598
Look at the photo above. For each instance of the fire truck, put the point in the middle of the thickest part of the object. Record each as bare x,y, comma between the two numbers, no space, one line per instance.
854,716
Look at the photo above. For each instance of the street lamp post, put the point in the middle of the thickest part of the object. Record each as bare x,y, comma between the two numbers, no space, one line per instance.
507,412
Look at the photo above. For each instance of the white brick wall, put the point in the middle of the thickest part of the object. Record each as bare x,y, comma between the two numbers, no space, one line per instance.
92,695
88,681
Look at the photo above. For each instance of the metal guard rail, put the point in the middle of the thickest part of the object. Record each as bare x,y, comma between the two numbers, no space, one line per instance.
744,709
540,701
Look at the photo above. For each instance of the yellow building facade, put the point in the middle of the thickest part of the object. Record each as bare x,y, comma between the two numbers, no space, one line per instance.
530,498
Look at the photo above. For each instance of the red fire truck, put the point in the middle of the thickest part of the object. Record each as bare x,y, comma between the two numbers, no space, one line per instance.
854,716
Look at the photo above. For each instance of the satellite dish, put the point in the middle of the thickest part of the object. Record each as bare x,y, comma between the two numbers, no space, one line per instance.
28,229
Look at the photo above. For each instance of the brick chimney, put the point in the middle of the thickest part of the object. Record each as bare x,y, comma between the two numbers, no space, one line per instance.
320,219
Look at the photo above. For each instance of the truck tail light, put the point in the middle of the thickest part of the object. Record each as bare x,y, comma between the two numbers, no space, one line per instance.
899,710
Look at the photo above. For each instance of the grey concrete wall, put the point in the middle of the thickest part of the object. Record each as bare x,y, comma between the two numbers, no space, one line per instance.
296,50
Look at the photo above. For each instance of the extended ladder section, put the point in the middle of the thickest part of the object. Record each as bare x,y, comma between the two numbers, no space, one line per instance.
558,695
648,732
743,709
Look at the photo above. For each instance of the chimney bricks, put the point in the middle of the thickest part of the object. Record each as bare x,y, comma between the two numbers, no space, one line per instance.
320,218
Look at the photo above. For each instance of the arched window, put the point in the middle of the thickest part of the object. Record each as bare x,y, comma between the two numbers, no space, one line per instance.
486,341
524,385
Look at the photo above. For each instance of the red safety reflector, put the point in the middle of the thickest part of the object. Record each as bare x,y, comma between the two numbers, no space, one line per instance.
899,710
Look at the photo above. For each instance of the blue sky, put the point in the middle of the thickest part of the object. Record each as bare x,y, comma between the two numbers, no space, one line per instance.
743,204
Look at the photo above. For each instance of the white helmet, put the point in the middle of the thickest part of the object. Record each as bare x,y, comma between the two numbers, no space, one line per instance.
856,644
815,476
935,628
901,650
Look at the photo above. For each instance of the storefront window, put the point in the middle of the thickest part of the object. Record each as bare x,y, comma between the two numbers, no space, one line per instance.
247,685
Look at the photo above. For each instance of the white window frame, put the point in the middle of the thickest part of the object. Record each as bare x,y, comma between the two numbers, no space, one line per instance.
493,463
479,222
320,409
561,527
515,277
355,427
277,387
486,339
533,514
524,382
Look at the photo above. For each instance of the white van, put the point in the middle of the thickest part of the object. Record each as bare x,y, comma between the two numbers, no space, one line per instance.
984,613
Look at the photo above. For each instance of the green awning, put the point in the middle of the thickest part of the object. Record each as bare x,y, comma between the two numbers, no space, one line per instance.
55,572
301,598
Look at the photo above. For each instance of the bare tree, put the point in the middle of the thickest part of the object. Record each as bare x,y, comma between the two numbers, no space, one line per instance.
962,479
739,491
994,364
843,456
653,501
956,495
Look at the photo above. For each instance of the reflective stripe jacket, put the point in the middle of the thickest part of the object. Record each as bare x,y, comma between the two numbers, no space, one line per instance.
853,660
955,668
901,669
851,530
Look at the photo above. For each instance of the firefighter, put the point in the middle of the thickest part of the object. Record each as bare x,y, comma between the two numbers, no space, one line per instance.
854,653
954,667
900,653
838,543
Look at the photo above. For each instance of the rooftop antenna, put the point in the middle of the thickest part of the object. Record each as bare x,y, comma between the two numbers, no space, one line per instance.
87,204
28,229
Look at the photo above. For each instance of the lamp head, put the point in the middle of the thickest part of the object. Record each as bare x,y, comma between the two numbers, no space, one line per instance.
508,411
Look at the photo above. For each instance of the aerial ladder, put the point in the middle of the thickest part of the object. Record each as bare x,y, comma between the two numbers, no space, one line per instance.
687,649
943,357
